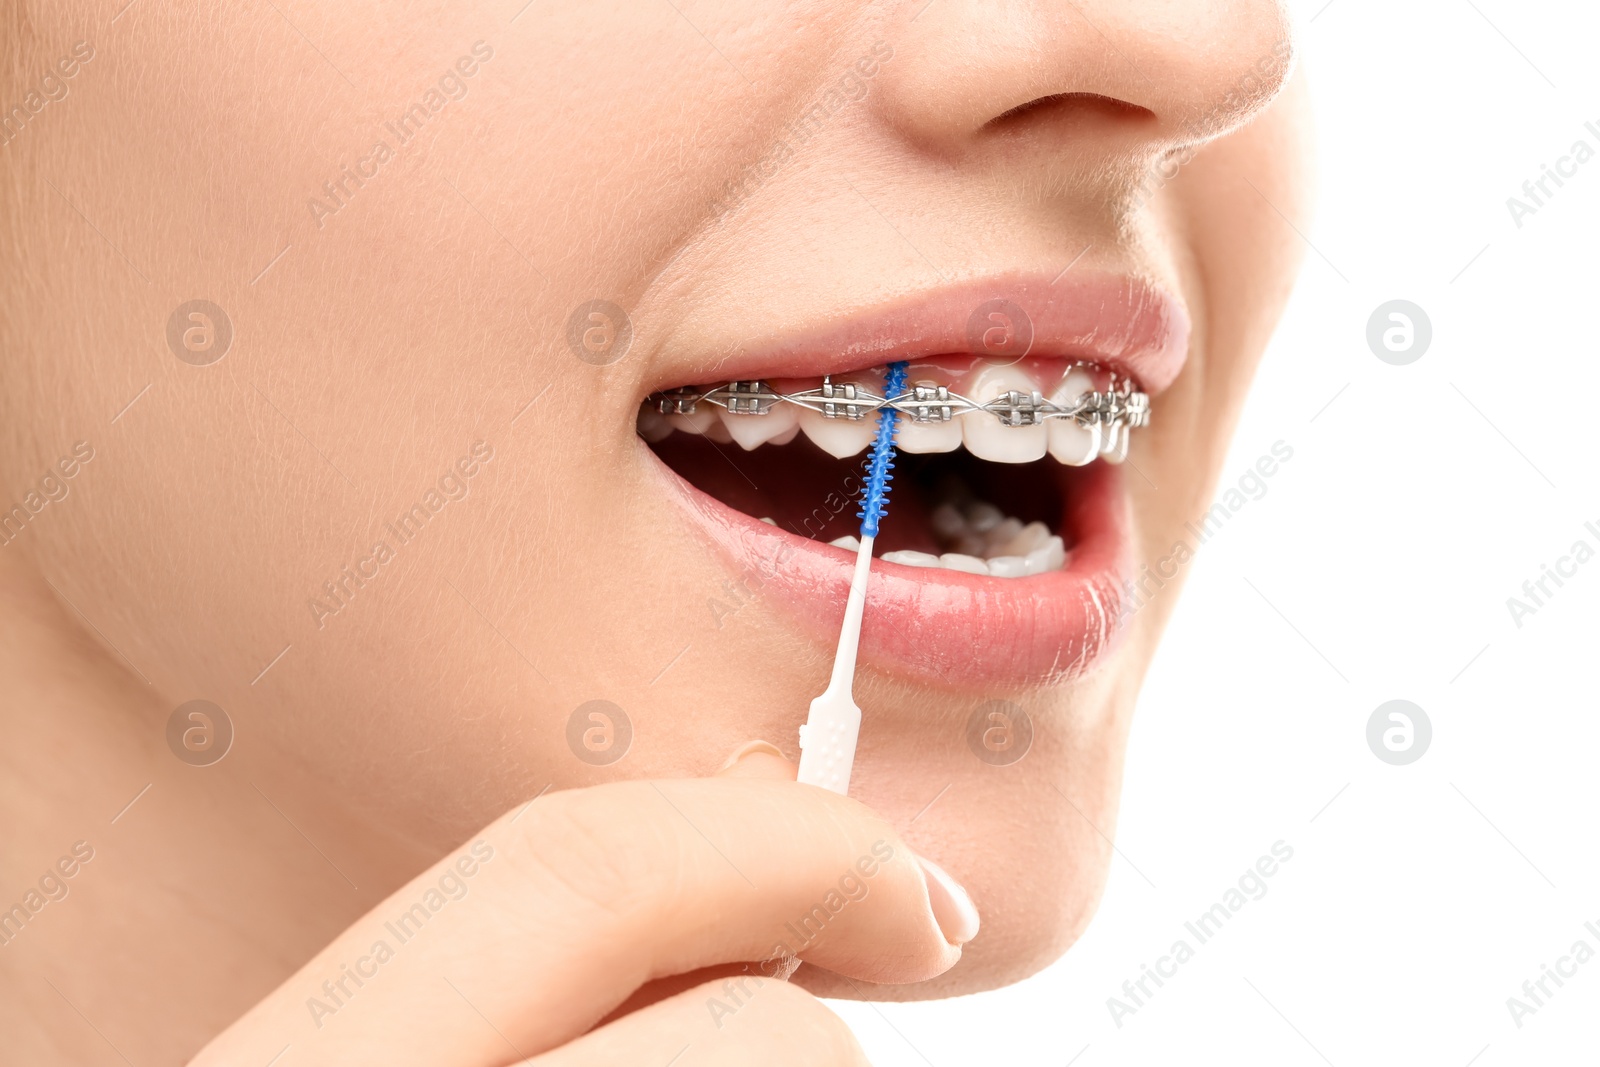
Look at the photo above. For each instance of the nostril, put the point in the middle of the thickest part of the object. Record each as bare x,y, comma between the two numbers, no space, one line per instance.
1063,103
1107,72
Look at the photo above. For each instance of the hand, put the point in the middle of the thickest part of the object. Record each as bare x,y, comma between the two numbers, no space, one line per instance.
618,924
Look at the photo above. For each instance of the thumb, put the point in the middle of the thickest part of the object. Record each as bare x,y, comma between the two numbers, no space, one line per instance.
957,917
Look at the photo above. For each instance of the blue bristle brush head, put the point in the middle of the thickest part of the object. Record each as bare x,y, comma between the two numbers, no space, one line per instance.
880,460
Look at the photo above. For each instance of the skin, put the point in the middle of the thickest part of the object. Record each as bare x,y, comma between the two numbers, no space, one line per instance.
584,161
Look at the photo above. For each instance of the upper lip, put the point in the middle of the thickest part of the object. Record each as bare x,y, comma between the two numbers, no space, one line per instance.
1119,322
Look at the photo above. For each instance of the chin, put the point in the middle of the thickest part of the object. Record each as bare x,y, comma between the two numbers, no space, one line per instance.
1031,844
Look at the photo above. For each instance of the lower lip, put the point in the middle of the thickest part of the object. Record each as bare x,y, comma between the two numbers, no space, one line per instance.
963,630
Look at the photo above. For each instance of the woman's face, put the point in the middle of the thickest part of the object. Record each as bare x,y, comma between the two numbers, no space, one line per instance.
404,531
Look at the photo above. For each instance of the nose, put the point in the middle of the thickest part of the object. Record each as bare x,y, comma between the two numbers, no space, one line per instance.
1146,76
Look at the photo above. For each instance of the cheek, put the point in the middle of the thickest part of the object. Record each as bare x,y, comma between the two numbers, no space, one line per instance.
1248,254
1249,259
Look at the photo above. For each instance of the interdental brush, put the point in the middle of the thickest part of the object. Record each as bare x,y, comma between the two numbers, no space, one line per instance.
828,738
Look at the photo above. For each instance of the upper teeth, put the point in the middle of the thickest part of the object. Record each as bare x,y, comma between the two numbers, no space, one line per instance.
837,437
778,425
1006,419
992,440
1071,441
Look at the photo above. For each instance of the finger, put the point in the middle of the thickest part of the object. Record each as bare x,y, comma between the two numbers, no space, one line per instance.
734,1022
583,896
756,759
952,908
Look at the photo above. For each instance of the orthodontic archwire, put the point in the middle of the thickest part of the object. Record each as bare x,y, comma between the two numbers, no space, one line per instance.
828,738
1119,406
880,459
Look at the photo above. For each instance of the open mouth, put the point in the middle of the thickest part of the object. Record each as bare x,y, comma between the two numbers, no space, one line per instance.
1004,557
972,493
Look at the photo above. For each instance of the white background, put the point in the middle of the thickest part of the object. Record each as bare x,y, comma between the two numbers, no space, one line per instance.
1377,567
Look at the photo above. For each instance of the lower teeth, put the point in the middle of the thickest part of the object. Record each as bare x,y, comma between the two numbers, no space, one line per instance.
981,540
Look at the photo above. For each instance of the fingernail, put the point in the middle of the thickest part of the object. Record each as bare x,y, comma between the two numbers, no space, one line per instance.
952,908
750,748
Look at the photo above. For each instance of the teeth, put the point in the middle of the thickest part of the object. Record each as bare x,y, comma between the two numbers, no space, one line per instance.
1072,443
928,436
1117,450
971,543
703,418
840,438
769,521
907,558
1002,535
753,431
1029,538
1049,556
1008,567
983,517
984,540
955,561
947,522
984,435
653,426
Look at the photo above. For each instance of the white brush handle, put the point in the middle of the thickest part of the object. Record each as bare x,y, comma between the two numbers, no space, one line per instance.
828,738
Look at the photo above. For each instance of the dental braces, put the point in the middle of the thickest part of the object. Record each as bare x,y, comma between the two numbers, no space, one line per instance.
1117,407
